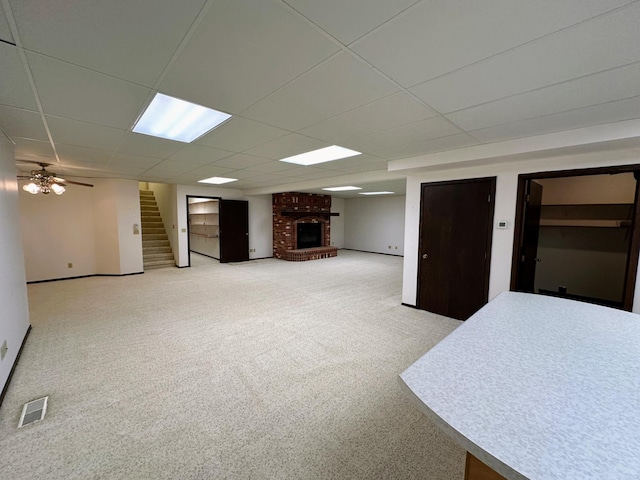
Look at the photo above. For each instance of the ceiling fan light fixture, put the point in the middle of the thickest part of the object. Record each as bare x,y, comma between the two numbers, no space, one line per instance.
31,188
57,189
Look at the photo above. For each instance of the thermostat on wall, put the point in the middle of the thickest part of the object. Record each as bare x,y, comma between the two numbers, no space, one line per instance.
503,224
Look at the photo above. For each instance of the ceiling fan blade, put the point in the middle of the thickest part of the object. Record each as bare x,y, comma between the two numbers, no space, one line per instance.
64,182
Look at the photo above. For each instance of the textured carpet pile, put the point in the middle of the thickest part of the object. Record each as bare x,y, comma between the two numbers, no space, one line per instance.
260,370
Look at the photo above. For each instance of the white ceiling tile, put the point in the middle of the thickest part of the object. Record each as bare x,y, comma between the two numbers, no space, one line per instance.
605,42
442,144
412,132
239,134
241,52
73,154
22,123
82,134
207,171
135,40
146,145
272,166
36,150
338,85
172,167
287,146
5,31
122,160
80,94
198,155
240,160
436,37
583,117
348,20
611,85
388,112
15,91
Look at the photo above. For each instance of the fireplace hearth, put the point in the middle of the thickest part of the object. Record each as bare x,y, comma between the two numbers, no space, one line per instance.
301,226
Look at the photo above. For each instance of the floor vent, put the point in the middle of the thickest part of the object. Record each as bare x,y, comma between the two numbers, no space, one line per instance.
33,411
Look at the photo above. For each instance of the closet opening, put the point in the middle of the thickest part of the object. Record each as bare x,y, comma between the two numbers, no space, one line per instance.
203,225
577,235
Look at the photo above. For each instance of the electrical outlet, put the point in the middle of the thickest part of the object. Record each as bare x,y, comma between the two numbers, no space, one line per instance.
389,247
3,350
69,265
396,247
184,230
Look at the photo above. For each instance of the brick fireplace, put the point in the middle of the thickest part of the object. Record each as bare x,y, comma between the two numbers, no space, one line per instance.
290,241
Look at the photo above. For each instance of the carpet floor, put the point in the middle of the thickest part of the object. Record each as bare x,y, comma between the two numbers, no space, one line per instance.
259,370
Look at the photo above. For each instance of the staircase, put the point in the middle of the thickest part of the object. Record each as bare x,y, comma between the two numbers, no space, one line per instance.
156,250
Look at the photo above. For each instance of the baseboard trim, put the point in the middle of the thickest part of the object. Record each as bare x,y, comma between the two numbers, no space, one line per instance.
85,276
377,253
410,306
13,368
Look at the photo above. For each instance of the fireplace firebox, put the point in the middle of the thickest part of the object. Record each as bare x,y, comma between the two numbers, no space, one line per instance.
309,235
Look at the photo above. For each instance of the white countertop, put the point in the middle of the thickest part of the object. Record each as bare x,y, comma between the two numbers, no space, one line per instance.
539,387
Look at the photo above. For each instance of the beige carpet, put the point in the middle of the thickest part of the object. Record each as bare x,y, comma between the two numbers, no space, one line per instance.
260,370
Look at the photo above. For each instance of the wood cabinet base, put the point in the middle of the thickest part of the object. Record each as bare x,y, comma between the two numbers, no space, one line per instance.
476,470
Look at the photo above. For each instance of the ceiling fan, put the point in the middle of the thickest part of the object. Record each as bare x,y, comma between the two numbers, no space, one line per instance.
45,182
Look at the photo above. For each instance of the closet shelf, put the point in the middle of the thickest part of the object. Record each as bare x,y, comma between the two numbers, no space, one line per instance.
565,222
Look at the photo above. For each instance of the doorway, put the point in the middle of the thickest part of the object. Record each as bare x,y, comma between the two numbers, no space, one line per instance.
456,220
203,214
577,235
218,228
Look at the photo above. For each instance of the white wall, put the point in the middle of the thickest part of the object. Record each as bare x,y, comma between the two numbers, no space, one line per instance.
91,228
58,230
375,224
127,203
337,223
260,219
14,320
505,207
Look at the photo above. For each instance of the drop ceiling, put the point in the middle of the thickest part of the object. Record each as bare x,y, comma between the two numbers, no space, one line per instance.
394,80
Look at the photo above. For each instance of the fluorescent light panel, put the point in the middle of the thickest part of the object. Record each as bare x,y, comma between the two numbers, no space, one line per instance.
342,189
218,180
327,154
375,193
175,119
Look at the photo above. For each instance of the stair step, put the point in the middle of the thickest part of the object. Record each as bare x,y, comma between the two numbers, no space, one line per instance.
152,250
153,222
150,215
147,201
148,257
146,193
159,264
154,236
153,230
148,208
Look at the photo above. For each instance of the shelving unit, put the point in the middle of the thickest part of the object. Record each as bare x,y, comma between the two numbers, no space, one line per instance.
587,215
204,228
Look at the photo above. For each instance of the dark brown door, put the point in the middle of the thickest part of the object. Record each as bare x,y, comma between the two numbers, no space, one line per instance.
529,248
234,231
455,246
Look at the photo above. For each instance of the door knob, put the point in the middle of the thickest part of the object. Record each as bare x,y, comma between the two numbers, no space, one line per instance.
425,256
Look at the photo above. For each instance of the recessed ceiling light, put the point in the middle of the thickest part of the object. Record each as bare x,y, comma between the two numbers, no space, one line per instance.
375,193
342,189
327,154
175,119
218,180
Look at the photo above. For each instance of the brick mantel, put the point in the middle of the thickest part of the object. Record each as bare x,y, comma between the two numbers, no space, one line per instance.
292,208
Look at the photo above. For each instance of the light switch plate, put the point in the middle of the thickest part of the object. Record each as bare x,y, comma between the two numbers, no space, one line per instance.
3,350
